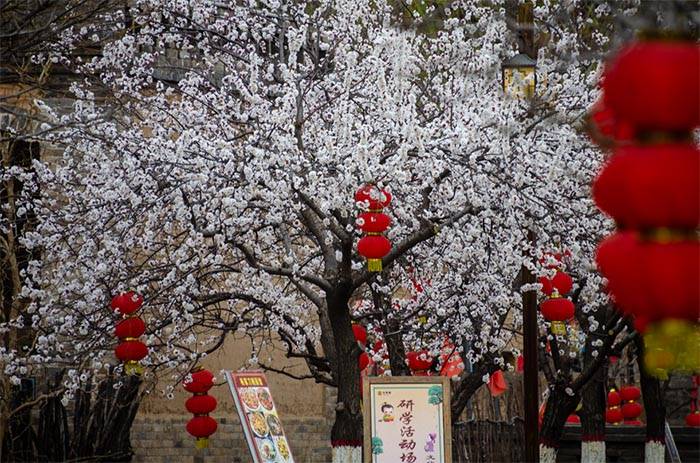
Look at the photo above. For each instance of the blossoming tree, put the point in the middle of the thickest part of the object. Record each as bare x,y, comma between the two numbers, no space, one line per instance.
213,150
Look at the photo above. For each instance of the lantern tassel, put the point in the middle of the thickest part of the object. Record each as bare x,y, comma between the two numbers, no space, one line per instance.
133,368
558,328
374,265
202,442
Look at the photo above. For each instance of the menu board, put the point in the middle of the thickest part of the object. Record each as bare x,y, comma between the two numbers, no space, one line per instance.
407,419
261,424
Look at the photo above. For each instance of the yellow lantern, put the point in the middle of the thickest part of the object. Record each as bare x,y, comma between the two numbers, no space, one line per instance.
519,76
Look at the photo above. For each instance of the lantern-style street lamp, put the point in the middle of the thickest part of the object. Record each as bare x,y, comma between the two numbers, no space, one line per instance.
519,76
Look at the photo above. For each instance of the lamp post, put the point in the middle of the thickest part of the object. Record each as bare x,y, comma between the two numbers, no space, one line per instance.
519,80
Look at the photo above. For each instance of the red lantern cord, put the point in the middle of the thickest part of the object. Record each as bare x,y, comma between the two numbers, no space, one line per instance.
373,245
201,404
130,349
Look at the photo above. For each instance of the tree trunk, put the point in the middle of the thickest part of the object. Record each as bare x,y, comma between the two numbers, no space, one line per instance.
468,385
655,446
559,406
395,347
346,433
593,411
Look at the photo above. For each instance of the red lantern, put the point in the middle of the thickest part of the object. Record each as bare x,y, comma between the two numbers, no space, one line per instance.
655,85
132,327
573,419
651,186
376,199
360,333
374,248
127,303
630,393
652,280
374,222
200,404
363,361
693,419
131,351
419,361
631,410
614,398
202,427
562,282
613,415
557,310
604,128
201,381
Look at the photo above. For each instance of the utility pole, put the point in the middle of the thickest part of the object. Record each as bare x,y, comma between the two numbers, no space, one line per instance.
525,31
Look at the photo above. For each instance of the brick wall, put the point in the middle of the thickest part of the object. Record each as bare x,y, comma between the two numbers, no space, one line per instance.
162,438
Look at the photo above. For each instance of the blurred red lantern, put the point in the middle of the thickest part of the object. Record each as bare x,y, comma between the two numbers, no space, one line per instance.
693,419
631,410
613,415
200,404
127,303
375,197
651,186
561,281
363,361
651,279
374,222
360,333
374,248
573,419
132,327
605,128
633,422
614,398
655,85
419,361
630,393
202,427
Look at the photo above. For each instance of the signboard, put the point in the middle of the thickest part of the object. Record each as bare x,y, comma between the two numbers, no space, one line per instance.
407,419
258,414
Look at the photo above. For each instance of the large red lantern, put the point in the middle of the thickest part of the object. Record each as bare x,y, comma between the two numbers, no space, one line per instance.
614,398
373,245
605,128
651,190
651,186
200,404
630,393
655,85
130,349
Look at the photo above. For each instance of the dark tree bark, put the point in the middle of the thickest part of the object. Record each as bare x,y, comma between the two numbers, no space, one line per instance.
347,429
559,406
593,396
653,399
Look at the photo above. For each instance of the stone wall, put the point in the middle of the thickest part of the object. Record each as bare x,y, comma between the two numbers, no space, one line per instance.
162,438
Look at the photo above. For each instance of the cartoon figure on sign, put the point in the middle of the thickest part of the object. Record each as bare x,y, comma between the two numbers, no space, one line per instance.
387,412
430,443
377,446
435,395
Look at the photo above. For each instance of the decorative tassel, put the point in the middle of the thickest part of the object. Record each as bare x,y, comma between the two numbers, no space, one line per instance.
374,265
202,442
559,328
133,367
